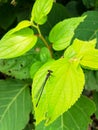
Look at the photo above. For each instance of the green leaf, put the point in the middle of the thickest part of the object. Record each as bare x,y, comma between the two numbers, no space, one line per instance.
16,44
62,33
35,67
57,14
81,48
15,104
91,81
90,60
71,120
19,67
61,91
95,98
84,52
21,25
40,11
88,29
44,55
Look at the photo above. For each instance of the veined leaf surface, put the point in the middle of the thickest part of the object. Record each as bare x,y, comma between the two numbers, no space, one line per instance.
16,44
15,104
63,88
40,11
62,33
71,120
84,52
21,25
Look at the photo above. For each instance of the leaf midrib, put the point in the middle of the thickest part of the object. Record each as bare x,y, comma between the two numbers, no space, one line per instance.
3,115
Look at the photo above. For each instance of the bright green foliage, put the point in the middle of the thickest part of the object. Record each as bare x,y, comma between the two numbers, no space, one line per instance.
58,89
71,120
15,104
62,33
57,13
90,60
44,57
19,43
84,52
21,25
40,11
54,64
80,48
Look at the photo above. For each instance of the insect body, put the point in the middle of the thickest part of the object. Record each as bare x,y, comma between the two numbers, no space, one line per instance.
43,85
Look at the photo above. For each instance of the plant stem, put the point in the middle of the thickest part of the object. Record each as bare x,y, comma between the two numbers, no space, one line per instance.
45,42
43,39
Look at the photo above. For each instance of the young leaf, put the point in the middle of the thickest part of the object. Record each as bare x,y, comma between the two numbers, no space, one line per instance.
15,104
34,68
59,90
80,48
84,52
40,11
21,25
57,14
71,120
44,55
90,60
16,44
62,33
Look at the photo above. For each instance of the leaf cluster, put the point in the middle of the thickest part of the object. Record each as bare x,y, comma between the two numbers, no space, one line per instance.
49,63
